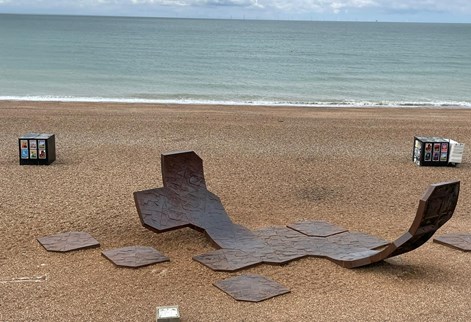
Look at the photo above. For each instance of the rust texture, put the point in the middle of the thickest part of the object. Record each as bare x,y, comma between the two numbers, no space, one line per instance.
184,201
251,288
461,241
66,242
317,228
134,256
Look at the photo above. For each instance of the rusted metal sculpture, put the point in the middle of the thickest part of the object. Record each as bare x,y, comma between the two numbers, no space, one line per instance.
184,201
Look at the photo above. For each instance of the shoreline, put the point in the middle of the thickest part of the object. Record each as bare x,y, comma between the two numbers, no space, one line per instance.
270,167
321,104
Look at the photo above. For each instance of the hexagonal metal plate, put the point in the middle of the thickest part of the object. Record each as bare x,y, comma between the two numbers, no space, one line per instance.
288,244
68,241
228,260
357,239
461,241
134,256
317,228
251,288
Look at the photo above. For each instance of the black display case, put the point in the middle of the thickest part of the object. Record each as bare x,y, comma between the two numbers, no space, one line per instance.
37,149
431,151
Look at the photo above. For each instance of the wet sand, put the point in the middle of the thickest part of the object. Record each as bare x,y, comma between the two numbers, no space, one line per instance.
270,166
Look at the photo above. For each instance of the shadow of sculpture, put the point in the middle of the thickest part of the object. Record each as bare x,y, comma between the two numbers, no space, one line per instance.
184,201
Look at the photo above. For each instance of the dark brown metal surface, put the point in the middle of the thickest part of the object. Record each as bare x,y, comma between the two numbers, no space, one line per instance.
184,201
317,228
461,241
251,288
134,256
68,241
435,208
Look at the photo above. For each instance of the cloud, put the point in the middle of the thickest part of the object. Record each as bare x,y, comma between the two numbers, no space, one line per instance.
335,6
229,3
385,5
161,2
319,5
293,5
199,3
272,4
263,8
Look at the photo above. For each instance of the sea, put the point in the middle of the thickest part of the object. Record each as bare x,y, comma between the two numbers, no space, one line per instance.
199,61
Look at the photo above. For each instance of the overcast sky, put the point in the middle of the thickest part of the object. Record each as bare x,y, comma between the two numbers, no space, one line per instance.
352,10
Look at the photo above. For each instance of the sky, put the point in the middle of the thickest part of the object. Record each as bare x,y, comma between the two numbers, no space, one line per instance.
331,10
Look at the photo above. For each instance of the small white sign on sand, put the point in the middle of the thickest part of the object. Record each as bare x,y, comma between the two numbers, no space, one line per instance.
168,314
456,152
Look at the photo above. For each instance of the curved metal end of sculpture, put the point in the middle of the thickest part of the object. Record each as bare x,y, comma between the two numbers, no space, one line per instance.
436,207
184,201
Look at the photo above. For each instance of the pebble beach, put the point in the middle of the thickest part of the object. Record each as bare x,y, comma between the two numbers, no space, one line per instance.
270,166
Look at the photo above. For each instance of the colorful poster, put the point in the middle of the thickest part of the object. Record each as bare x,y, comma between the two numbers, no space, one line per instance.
436,147
436,156
33,144
428,147
41,144
33,154
444,156
24,154
428,156
24,144
42,154
444,147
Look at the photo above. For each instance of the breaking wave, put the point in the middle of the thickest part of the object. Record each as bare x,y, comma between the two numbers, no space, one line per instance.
321,103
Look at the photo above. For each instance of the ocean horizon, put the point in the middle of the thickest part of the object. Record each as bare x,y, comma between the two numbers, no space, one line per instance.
234,62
